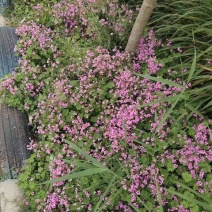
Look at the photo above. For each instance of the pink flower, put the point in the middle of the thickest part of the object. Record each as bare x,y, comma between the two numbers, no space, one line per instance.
201,175
199,183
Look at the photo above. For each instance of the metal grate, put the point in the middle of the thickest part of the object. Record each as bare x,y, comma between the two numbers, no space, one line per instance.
4,4
8,60
13,123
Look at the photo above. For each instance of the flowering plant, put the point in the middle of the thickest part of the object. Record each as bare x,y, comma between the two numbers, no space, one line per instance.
104,107
112,130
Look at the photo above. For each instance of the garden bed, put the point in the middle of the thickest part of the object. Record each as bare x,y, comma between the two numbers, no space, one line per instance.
112,131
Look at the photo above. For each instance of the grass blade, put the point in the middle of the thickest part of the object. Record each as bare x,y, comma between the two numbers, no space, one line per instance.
136,209
166,99
189,199
208,105
159,197
105,203
168,112
193,191
85,154
84,173
193,111
104,194
80,164
160,79
147,208
147,147
193,66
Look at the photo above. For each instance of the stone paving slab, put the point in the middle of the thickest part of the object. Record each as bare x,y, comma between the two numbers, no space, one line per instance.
2,21
10,196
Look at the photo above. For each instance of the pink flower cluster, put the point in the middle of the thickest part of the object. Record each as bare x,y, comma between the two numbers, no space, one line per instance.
146,54
35,33
96,104
9,84
76,16
99,107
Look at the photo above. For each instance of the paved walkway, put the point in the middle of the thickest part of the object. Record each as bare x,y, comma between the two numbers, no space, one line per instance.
10,196
2,21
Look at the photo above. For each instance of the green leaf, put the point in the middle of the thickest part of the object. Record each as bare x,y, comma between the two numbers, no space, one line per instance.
148,206
85,180
191,132
189,199
94,119
68,119
166,99
80,164
170,166
159,198
193,191
160,79
97,207
193,66
40,169
78,106
187,177
208,105
206,167
65,112
132,152
85,154
149,149
193,110
168,112
110,85
123,168
84,173
74,82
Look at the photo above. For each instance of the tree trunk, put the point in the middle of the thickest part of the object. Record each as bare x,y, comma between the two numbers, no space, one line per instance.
140,25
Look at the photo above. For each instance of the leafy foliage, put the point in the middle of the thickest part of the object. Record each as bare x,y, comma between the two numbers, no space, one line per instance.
112,131
187,26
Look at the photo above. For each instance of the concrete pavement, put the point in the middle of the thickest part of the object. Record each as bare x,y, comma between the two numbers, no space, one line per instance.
2,21
10,196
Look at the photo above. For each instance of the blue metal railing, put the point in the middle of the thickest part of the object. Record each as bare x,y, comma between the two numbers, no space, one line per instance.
4,3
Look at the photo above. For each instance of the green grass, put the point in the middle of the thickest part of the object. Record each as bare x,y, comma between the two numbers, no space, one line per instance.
188,24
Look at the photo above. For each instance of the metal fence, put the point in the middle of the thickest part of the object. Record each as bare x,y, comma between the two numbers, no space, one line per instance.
4,4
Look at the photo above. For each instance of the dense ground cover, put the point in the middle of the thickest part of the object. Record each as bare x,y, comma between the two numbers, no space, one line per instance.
121,132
